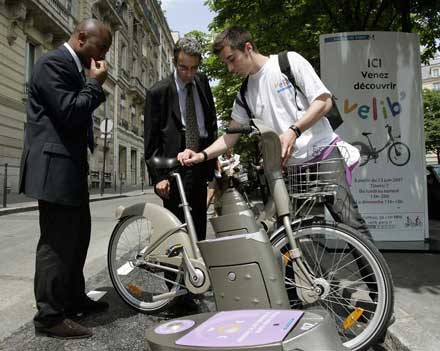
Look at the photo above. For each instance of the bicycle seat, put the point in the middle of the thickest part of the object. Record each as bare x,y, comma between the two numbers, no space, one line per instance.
163,162
366,133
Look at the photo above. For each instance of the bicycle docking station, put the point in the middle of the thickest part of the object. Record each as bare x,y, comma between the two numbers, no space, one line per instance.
247,330
250,295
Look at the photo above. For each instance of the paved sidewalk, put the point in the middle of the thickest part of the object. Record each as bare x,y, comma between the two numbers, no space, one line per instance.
416,279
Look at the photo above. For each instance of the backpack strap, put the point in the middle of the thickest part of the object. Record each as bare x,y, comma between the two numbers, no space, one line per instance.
284,64
333,116
243,103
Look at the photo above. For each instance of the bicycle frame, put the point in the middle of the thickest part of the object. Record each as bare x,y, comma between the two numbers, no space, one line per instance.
389,142
250,275
173,235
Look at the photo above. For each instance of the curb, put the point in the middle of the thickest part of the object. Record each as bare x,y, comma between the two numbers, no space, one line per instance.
34,206
408,334
393,343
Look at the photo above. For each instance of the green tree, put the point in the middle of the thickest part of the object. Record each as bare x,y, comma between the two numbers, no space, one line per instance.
431,107
278,25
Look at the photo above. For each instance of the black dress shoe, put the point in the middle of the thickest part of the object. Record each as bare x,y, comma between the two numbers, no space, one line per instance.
67,329
187,303
86,306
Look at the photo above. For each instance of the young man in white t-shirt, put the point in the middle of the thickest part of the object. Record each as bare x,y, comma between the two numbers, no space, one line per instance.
295,114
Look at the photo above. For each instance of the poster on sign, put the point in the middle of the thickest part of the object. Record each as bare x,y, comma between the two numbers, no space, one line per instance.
376,79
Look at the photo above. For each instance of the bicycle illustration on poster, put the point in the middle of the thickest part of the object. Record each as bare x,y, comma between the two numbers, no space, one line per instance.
398,153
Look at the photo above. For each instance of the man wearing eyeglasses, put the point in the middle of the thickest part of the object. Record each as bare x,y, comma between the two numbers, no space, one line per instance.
180,113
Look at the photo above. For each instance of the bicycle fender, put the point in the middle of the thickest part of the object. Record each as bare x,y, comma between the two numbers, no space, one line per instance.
165,224
294,224
160,217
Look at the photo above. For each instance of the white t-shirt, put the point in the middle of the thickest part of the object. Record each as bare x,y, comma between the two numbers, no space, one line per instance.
271,98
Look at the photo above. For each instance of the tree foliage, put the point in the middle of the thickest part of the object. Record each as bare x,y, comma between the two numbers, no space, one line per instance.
279,25
431,107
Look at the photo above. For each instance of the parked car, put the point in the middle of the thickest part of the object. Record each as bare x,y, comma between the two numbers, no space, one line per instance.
433,180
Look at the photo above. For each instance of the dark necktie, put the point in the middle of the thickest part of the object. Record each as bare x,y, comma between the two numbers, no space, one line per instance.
90,137
192,134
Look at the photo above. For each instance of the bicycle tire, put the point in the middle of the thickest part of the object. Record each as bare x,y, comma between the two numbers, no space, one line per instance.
364,150
393,154
135,284
344,295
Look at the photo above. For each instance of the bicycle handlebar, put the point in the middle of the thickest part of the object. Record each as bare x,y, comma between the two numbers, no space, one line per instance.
240,130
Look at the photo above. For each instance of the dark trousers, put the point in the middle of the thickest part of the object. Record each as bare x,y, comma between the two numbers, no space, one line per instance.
61,253
195,184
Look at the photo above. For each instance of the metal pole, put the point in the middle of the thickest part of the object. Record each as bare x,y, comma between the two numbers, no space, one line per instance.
114,179
120,183
5,186
103,161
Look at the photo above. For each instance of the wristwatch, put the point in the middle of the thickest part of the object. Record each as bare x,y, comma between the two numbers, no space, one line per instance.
296,130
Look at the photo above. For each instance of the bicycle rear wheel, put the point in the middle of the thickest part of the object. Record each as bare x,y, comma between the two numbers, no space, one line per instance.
135,281
355,281
364,150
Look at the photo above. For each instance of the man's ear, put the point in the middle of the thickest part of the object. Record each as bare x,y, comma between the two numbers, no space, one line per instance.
248,47
82,38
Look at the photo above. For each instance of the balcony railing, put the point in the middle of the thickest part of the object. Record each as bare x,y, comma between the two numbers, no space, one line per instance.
151,21
63,8
124,73
137,85
58,15
123,123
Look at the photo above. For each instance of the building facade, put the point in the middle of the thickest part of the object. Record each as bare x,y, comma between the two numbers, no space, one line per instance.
431,80
140,55
431,74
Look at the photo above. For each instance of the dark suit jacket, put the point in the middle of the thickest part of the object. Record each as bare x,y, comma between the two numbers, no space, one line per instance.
164,132
59,109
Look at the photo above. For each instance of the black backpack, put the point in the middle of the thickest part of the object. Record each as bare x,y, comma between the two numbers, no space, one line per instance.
333,116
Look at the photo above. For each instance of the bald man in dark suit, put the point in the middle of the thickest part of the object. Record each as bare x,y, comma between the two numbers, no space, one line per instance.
54,170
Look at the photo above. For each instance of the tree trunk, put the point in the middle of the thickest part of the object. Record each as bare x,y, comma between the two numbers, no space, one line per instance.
404,8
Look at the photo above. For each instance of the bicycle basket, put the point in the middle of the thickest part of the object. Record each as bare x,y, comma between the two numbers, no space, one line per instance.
314,179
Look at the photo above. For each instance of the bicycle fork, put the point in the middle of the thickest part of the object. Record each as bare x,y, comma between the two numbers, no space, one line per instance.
308,287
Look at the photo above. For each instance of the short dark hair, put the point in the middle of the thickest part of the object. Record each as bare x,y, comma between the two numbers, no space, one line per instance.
235,37
189,45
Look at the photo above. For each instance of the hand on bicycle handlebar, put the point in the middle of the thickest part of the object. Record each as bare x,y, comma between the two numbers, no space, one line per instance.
189,157
288,139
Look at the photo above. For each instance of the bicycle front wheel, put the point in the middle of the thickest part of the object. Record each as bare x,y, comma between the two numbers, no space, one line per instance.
352,277
399,154
136,281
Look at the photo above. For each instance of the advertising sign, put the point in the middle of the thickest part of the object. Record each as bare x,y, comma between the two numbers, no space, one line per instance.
376,79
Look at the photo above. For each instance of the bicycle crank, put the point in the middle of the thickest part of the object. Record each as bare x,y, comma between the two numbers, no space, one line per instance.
202,283
196,277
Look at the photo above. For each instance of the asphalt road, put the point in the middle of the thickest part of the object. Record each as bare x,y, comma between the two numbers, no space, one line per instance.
121,328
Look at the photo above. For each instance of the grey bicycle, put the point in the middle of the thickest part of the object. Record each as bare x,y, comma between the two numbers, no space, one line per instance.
153,258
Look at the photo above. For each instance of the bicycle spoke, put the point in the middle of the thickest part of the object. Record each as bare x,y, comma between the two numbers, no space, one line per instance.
133,279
